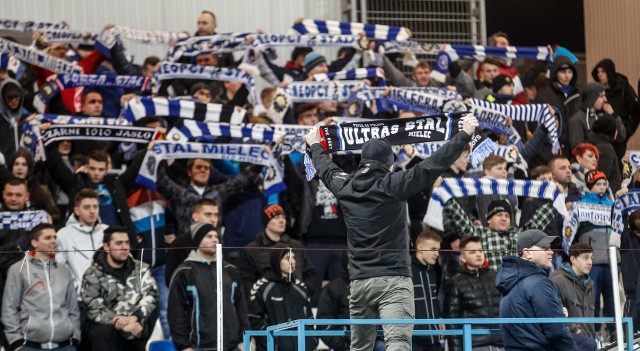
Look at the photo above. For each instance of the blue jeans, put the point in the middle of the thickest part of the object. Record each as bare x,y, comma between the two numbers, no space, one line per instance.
602,284
158,274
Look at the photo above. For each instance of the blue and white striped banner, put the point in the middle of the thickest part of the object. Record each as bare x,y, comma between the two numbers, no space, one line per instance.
140,107
256,154
352,74
37,58
623,206
214,44
262,41
372,31
463,187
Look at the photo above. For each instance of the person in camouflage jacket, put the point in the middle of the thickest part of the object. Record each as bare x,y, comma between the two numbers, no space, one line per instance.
120,295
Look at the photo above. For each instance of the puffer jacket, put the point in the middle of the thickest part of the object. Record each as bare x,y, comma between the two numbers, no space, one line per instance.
39,303
578,297
473,294
76,243
527,292
11,121
129,291
374,206
193,292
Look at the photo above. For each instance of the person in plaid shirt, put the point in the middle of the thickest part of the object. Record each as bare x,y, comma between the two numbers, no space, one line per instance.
499,238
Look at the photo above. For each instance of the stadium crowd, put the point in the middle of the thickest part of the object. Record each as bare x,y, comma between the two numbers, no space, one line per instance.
93,257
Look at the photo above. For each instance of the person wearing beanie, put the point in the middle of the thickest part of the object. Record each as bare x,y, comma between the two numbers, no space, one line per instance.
315,63
502,84
254,262
597,237
193,288
280,297
562,94
522,273
603,135
374,205
620,94
594,105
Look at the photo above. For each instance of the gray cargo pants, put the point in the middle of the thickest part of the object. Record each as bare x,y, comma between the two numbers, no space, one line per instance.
389,297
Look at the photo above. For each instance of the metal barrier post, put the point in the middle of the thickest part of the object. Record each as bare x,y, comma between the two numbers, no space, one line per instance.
466,337
270,341
246,340
301,338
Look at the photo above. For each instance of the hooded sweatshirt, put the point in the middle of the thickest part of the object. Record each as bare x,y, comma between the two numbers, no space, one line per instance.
10,120
39,303
578,297
76,244
527,292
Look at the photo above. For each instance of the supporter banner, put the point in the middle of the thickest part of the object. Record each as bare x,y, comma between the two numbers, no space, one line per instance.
595,214
308,40
463,187
292,135
540,113
630,167
374,31
51,36
128,134
322,91
171,70
415,100
489,118
443,127
24,220
454,52
140,107
28,26
256,154
408,46
622,207
214,44
352,74
37,58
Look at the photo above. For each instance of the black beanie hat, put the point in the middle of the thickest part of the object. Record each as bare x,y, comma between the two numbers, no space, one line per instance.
605,125
271,211
498,206
500,81
199,231
378,150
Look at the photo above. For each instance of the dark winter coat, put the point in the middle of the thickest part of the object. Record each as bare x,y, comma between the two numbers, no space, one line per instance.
608,161
473,294
578,297
527,292
426,285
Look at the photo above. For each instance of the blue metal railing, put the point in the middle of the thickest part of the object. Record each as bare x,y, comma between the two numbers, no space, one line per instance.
298,328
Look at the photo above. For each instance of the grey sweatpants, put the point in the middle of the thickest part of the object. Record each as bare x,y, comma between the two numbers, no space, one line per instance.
389,297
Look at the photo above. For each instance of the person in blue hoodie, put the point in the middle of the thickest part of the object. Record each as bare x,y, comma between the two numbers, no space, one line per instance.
529,293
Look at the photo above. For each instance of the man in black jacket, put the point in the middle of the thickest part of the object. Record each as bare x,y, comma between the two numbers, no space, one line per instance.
193,297
374,205
472,293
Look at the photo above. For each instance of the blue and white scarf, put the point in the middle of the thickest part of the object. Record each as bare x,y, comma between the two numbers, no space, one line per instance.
73,36
24,220
322,91
263,41
595,214
214,44
255,154
453,53
125,134
630,167
416,100
352,74
622,207
10,63
110,36
540,113
292,135
463,187
28,26
140,107
37,58
373,31
171,70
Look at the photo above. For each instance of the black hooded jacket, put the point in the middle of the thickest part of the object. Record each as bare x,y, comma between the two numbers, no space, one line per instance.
620,95
374,206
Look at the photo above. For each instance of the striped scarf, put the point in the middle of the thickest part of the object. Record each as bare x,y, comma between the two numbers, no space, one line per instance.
28,26
214,44
453,53
373,31
255,154
463,187
596,214
340,91
263,41
140,107
494,117
623,206
37,58
352,74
